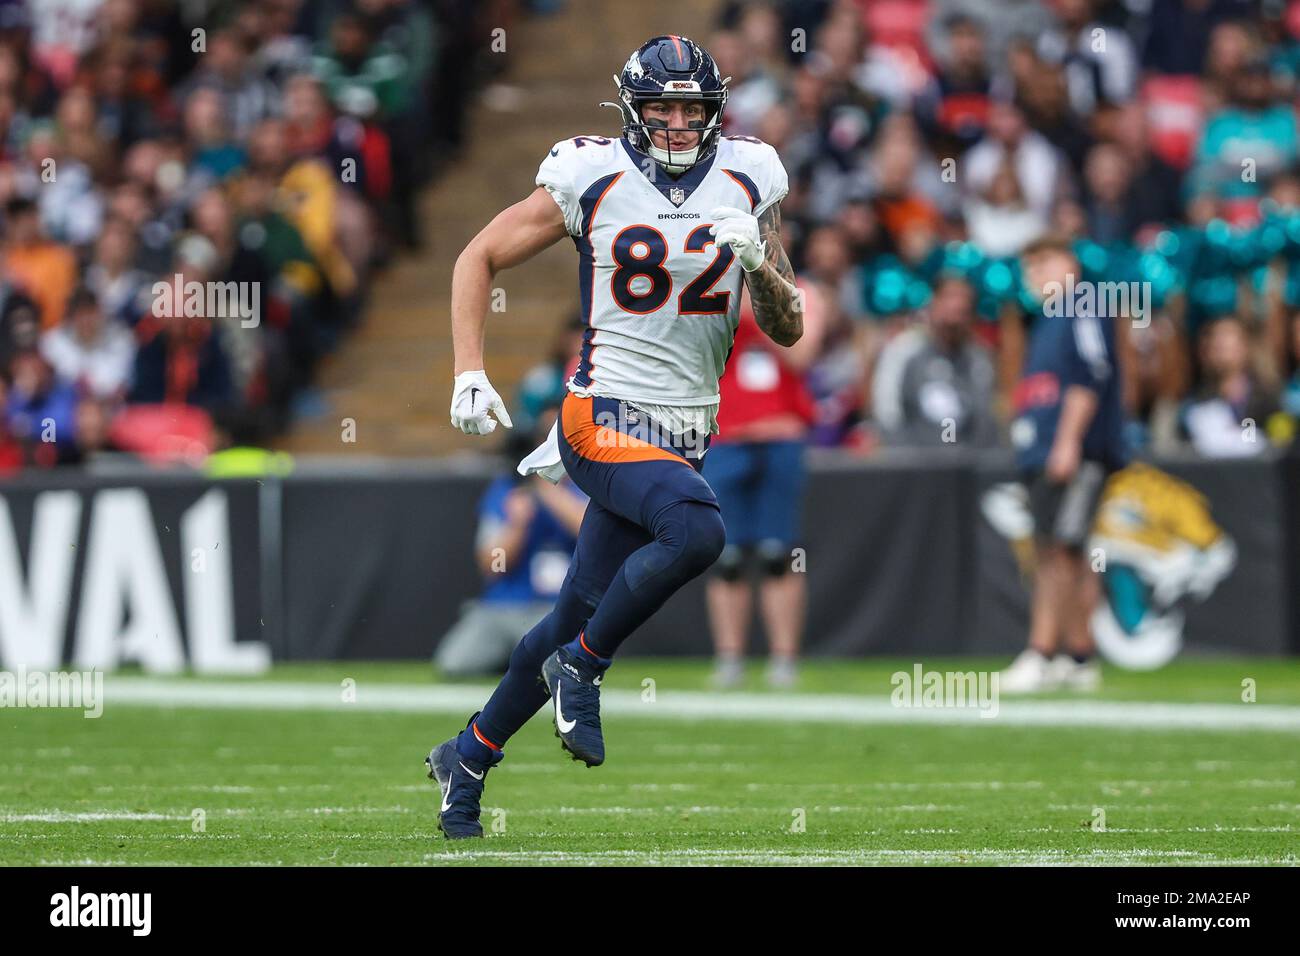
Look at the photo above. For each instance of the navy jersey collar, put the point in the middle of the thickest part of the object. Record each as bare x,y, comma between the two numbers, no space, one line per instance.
663,180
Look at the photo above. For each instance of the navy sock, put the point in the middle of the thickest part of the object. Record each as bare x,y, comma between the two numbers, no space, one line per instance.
579,649
471,748
521,693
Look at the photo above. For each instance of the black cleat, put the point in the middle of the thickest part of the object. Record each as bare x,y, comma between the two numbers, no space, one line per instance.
574,686
460,781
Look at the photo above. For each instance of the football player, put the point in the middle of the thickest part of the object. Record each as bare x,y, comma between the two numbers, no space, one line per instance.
668,220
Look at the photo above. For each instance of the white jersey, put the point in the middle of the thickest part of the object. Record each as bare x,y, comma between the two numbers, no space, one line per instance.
660,301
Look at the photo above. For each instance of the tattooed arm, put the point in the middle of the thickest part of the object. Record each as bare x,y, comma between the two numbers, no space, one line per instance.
771,286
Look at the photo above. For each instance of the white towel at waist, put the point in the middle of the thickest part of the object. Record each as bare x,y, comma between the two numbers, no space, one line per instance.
544,460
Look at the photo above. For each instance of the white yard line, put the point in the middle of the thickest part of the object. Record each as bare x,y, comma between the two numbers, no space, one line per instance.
92,816
700,705
754,858
776,857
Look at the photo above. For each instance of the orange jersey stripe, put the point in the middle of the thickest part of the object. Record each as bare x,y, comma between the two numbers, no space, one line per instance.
748,194
586,226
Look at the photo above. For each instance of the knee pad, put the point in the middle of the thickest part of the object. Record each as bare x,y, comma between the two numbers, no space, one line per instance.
773,558
730,565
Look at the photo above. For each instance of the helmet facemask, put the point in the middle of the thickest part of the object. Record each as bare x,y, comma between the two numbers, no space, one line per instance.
639,131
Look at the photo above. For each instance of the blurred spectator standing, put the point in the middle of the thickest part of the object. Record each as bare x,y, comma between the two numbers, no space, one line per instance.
935,382
1178,32
121,287
755,466
40,410
93,353
1229,415
954,110
1248,141
1002,22
1153,194
180,358
1107,177
45,270
1099,57
1012,178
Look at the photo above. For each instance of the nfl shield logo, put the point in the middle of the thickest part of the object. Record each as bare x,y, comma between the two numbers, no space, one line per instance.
676,195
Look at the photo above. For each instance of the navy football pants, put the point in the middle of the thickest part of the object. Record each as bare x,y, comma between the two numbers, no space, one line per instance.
652,525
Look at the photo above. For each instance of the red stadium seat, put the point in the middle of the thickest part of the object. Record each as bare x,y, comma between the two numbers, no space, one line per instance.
168,433
1175,114
896,23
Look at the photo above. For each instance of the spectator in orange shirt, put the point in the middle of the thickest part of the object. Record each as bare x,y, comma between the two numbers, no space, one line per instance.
45,270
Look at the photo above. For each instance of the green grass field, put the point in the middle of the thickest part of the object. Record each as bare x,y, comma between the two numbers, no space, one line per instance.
280,771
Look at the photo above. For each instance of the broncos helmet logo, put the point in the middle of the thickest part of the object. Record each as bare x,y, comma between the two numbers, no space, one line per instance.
671,67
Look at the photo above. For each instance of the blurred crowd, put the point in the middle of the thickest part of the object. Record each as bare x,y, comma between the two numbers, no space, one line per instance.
929,141
147,145
271,149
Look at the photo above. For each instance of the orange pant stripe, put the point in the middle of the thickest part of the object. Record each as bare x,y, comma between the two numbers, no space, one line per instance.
600,442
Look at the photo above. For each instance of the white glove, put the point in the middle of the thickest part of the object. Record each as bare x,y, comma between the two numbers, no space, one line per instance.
739,230
472,397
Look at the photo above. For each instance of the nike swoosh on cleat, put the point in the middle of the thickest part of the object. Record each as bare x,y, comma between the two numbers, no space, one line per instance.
446,798
564,725
476,776
597,679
